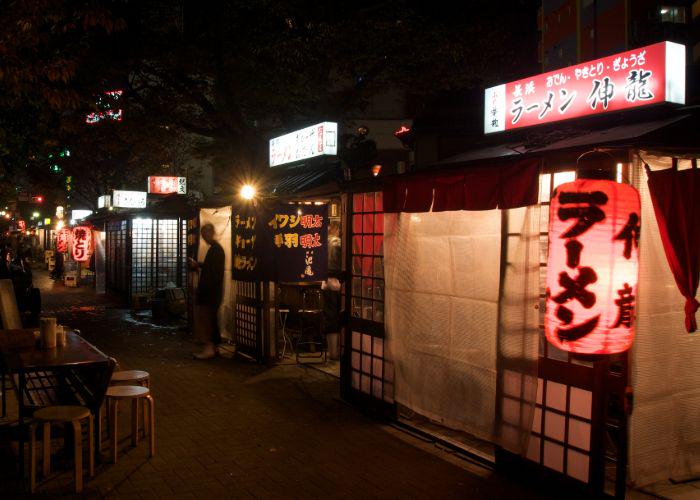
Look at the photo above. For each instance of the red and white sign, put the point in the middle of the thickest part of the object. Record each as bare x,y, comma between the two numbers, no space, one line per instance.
62,240
82,243
592,266
640,77
167,185
309,142
21,225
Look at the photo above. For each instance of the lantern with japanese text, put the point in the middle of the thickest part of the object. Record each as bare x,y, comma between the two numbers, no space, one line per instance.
62,240
82,243
593,266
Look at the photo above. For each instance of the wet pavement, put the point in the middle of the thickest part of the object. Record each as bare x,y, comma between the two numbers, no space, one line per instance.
229,428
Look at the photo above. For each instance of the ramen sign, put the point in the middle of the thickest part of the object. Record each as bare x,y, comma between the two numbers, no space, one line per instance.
640,77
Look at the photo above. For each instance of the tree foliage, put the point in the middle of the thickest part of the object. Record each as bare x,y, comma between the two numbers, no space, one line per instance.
217,79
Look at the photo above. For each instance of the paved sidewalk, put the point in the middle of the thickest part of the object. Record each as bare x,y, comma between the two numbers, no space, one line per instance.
228,428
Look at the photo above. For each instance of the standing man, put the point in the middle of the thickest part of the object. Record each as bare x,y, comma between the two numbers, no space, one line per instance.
209,294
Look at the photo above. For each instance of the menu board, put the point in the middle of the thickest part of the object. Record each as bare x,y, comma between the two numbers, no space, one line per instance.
247,235
299,242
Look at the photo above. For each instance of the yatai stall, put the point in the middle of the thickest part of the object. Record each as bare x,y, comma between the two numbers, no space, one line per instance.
542,299
285,237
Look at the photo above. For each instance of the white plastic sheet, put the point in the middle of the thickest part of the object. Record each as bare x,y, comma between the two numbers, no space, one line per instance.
443,289
221,220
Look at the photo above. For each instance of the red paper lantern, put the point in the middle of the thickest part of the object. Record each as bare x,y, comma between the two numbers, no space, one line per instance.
62,240
82,243
593,266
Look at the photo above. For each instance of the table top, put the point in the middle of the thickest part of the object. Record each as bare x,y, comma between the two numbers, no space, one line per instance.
77,352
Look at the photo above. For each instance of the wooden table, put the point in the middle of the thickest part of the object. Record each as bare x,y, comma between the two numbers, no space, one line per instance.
77,373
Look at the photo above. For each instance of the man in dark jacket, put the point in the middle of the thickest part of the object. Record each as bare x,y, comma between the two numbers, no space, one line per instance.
209,294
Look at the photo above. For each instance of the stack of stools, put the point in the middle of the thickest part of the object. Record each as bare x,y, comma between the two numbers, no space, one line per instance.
131,385
62,415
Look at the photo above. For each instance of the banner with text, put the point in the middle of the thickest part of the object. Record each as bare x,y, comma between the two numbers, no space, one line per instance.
247,243
639,77
299,242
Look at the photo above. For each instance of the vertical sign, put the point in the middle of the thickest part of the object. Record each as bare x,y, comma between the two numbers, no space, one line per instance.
62,240
592,267
299,242
247,235
82,243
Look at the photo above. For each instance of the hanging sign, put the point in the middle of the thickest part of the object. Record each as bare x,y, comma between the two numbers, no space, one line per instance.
248,247
592,267
21,225
317,140
82,243
300,242
47,221
104,201
128,199
60,212
167,185
62,237
640,77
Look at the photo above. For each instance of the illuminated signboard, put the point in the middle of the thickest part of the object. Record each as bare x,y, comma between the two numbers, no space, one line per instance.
317,140
592,266
47,221
82,243
80,214
104,201
167,185
640,77
128,199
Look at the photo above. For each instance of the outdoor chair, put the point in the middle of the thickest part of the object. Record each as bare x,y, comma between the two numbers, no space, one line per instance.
73,415
134,393
312,339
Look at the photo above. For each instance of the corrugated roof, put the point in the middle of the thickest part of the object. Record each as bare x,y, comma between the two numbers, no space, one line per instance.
302,181
616,134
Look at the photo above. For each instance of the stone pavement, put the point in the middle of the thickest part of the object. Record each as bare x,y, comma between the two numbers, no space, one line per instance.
229,428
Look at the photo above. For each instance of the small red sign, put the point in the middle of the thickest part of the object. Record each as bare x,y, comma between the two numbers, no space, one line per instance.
640,77
62,240
21,225
167,185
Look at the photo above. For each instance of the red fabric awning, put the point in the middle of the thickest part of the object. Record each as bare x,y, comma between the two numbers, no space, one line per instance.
507,185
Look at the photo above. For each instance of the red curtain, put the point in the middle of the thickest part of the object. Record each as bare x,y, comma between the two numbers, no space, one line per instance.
674,194
510,185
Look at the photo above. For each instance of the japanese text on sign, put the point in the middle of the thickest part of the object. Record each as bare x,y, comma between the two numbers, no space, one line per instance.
592,267
647,75
317,140
82,243
167,185
299,242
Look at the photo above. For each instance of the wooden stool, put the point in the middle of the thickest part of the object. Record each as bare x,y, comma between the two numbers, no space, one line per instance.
131,377
62,414
117,393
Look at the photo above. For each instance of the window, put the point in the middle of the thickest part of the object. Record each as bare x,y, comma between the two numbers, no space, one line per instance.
671,14
367,257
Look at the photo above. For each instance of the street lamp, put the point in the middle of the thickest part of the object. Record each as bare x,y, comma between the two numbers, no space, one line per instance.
248,192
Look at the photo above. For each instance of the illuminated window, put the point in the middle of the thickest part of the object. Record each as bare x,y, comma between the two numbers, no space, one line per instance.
672,14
